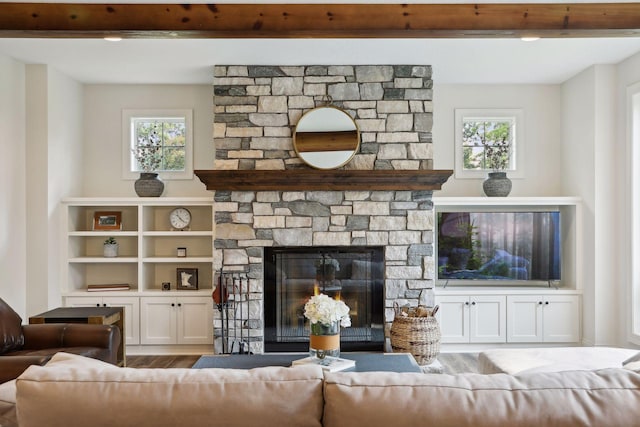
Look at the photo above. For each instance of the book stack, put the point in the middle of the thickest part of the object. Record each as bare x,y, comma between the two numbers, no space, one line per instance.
109,287
333,364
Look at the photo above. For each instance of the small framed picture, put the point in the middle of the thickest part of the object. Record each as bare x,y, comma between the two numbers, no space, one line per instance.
187,278
182,252
107,220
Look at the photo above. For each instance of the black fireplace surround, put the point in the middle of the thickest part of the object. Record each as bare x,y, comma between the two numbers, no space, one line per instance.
354,273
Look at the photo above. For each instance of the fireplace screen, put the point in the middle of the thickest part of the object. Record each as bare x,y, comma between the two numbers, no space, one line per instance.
353,274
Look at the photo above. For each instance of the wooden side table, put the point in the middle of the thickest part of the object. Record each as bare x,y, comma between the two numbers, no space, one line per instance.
90,315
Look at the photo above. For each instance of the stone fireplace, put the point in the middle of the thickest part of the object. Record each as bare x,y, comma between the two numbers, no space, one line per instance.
255,110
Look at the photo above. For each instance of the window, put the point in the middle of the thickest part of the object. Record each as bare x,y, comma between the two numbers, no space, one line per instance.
163,138
487,140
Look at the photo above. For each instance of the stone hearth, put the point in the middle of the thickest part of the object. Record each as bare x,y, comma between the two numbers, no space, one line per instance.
255,110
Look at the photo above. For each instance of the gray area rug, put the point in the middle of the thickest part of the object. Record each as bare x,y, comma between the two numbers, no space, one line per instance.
457,363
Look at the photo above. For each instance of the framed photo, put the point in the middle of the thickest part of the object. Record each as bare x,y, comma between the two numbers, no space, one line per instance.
182,252
107,220
187,279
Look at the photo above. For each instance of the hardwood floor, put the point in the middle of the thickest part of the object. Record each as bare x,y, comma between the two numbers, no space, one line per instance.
161,361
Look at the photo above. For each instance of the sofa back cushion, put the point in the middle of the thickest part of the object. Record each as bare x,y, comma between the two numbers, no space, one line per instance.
11,337
575,398
97,394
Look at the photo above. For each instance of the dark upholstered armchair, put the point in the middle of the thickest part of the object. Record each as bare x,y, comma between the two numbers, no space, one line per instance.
25,345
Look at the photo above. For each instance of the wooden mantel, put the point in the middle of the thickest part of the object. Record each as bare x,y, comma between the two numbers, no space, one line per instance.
323,180
263,20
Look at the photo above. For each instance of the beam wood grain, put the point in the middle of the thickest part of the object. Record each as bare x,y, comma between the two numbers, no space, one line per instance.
73,20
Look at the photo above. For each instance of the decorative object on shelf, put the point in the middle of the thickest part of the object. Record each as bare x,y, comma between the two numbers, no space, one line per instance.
416,331
148,154
107,220
180,219
148,185
187,279
110,248
109,287
497,185
326,268
181,252
166,286
326,315
497,158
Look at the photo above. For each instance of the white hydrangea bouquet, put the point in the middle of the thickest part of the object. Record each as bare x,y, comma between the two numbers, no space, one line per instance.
321,309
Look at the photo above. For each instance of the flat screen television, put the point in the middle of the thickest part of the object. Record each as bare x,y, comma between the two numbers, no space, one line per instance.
499,246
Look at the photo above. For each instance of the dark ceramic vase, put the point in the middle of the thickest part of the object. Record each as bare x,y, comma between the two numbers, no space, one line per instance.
149,185
497,185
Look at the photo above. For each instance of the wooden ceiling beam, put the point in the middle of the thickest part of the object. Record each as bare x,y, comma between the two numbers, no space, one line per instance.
73,20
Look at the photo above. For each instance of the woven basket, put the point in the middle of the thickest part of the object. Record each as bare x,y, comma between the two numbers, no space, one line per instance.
419,336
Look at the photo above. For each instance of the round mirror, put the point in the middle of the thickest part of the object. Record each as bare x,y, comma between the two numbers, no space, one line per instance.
326,138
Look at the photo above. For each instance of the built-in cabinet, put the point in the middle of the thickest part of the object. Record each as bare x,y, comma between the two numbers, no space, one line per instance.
176,320
543,318
508,317
472,318
148,256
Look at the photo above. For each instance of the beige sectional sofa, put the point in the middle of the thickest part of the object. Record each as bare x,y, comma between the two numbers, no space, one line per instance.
74,391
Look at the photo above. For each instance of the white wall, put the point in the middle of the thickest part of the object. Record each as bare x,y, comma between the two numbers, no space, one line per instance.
628,73
103,105
54,162
589,136
541,105
13,228
65,143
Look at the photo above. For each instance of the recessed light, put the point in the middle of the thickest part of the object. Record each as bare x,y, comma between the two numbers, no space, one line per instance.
530,38
113,38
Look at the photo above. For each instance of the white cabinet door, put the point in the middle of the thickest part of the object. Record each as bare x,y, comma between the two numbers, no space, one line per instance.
524,318
158,317
453,317
561,318
195,320
487,319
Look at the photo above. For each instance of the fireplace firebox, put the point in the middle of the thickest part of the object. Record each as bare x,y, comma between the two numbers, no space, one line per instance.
354,274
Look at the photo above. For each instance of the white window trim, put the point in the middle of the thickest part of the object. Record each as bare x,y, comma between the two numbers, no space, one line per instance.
633,220
488,113
128,114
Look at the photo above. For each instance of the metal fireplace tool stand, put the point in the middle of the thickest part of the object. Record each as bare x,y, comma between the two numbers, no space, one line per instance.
231,296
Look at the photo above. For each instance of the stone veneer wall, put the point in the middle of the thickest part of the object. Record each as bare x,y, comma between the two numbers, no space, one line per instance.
256,108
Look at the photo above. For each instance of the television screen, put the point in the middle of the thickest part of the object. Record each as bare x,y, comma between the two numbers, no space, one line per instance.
499,246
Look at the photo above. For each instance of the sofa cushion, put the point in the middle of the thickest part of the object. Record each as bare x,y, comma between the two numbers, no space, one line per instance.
632,363
11,337
96,394
576,398
556,359
8,416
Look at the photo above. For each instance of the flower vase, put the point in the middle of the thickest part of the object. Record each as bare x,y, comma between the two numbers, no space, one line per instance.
149,185
497,185
324,341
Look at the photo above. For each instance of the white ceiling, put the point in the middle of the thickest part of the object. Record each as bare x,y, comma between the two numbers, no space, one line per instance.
473,61
483,61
